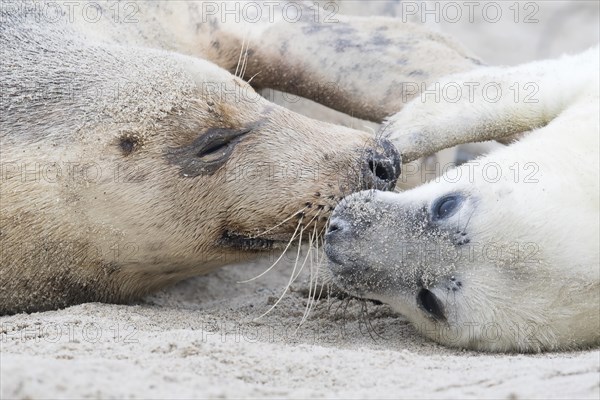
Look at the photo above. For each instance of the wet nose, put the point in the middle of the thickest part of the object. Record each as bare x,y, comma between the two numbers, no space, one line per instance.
381,166
337,235
337,227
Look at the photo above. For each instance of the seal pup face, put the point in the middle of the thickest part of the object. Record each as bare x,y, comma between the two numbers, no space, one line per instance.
470,264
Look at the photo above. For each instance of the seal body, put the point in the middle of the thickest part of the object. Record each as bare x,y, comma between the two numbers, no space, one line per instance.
127,166
501,253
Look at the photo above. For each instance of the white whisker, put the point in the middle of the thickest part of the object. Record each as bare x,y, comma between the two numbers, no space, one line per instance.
279,224
245,62
240,57
280,257
311,298
252,77
287,287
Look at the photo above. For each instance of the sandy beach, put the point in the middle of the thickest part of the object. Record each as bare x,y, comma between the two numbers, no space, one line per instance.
201,340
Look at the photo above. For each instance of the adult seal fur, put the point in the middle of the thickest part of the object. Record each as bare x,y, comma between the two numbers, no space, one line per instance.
135,153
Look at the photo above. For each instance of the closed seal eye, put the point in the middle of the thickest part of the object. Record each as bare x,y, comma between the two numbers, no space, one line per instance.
208,153
218,144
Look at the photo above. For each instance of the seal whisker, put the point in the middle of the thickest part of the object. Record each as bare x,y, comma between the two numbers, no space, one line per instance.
468,220
303,263
365,318
317,266
245,61
315,297
279,224
280,257
384,132
363,152
379,335
354,172
313,219
319,262
308,252
252,77
310,283
346,303
311,279
345,309
240,57
287,287
342,302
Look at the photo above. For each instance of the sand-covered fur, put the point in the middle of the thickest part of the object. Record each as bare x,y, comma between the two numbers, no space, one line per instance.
500,253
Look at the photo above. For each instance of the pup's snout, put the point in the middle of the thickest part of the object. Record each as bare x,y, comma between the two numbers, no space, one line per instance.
351,217
381,166
336,239
338,228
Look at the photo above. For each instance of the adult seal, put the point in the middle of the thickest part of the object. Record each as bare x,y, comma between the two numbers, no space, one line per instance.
135,153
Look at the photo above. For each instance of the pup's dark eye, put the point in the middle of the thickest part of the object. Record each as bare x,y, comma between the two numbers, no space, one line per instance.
445,206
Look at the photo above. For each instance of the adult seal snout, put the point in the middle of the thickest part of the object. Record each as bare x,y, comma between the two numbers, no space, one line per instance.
382,165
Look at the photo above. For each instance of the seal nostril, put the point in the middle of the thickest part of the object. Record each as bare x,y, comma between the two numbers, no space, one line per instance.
382,166
333,227
381,172
336,228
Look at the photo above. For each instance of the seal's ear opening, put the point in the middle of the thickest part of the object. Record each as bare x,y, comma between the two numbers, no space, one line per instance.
128,144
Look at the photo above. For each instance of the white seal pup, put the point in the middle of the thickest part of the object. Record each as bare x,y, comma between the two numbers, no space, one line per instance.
501,253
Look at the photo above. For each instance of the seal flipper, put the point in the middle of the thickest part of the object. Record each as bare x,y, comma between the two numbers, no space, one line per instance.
520,99
364,67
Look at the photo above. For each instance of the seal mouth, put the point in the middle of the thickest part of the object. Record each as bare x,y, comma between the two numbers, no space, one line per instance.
249,243
433,307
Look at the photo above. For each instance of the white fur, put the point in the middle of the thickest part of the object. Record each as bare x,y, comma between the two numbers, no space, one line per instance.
559,213
547,295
